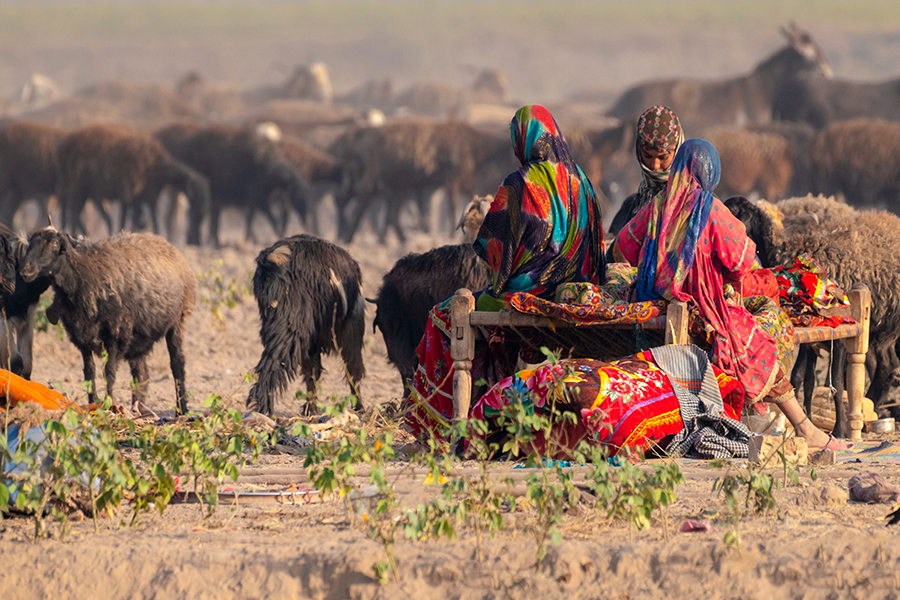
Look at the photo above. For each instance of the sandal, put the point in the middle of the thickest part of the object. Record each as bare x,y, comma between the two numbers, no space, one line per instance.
834,444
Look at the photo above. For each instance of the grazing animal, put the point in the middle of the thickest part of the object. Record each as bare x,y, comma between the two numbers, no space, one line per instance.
818,101
117,163
417,282
244,170
858,159
28,165
322,170
752,162
740,101
309,293
20,302
392,164
862,248
119,295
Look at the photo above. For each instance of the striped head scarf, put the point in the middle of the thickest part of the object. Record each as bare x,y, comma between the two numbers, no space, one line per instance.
544,226
677,218
659,129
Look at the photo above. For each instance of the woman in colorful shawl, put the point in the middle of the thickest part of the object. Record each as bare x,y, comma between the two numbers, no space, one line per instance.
656,140
687,245
543,229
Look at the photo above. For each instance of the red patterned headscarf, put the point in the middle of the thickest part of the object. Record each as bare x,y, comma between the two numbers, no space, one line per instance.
657,129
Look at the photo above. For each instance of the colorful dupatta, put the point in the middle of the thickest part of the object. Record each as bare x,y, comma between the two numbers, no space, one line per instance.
677,219
544,226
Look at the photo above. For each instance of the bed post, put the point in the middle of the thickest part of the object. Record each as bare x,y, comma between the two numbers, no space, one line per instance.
860,310
462,351
677,323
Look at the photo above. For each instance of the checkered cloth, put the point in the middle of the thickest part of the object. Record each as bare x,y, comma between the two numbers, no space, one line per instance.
707,433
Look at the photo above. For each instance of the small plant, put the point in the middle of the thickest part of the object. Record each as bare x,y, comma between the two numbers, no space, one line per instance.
218,291
737,487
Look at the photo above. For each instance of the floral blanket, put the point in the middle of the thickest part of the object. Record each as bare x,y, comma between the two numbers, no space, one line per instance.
809,296
629,403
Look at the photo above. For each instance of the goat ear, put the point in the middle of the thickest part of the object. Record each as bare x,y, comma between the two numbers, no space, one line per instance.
63,244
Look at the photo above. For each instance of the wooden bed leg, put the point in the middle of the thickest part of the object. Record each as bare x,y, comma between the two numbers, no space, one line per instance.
677,323
860,310
462,351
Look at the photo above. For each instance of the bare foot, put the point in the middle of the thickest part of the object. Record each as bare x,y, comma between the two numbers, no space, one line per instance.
816,439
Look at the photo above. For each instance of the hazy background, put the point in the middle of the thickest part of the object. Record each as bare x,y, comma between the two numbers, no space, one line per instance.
549,49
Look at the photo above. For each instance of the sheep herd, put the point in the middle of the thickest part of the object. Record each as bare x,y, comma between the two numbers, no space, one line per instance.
174,160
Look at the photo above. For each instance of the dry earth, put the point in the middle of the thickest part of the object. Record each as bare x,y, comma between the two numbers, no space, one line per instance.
821,545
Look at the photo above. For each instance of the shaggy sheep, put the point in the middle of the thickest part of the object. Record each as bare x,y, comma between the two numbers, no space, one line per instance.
28,167
864,248
417,282
858,159
119,295
752,162
310,300
113,162
244,171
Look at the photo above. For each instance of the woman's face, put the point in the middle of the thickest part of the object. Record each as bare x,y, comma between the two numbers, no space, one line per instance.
657,160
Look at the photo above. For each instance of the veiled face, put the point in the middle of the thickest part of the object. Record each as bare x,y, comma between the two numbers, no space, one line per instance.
657,160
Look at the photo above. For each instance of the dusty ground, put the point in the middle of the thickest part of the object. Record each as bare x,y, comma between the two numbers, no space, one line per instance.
822,546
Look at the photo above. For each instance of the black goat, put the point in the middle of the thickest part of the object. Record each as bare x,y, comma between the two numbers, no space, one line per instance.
411,289
310,300
121,295
19,305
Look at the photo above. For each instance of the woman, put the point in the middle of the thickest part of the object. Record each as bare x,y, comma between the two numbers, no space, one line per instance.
543,229
687,246
656,140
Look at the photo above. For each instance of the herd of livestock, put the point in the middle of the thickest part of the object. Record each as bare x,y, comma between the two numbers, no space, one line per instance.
786,129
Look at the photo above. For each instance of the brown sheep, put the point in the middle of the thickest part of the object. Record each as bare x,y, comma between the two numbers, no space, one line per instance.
120,295
752,162
244,170
858,159
28,167
322,170
412,159
119,163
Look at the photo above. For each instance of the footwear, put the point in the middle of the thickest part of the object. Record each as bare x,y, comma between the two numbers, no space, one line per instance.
834,444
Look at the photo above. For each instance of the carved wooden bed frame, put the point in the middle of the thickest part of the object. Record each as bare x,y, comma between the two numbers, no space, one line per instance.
465,320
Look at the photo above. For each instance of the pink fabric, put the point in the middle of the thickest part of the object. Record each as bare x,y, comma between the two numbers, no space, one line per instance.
740,347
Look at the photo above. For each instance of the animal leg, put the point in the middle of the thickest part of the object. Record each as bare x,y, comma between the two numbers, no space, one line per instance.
809,378
109,370
140,380
248,219
311,368
838,371
351,345
799,370
175,344
6,345
213,226
25,341
89,375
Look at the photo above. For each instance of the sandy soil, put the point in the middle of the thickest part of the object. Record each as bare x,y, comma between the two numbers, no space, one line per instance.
821,546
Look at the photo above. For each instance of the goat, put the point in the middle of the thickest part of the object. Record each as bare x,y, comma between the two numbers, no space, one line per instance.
28,167
417,282
309,293
119,295
20,303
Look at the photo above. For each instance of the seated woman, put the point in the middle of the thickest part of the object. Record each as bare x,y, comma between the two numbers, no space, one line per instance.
543,229
687,246
656,140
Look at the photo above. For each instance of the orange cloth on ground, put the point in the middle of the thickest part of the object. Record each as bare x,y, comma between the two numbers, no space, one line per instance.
21,390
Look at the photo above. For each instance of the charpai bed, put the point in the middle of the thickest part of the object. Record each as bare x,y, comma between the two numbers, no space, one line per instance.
615,340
